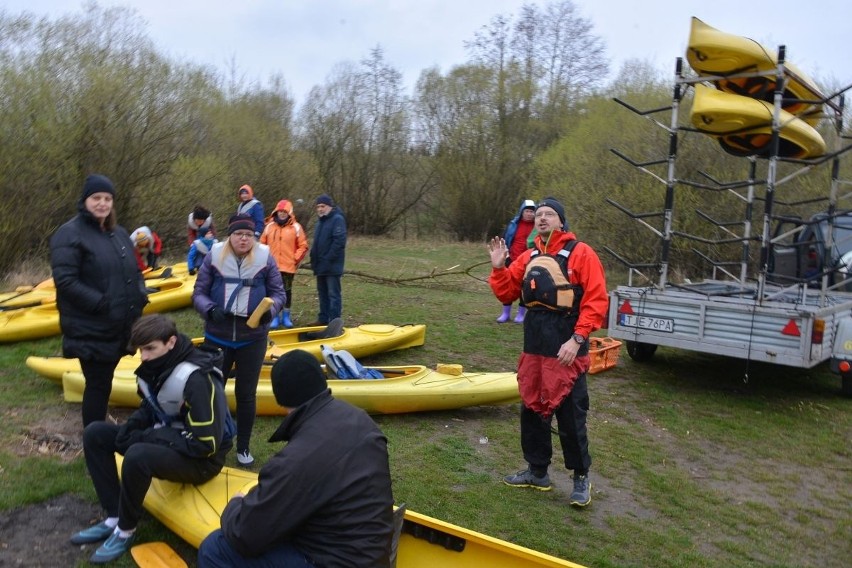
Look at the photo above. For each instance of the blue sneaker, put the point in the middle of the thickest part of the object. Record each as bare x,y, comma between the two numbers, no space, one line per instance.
113,548
94,533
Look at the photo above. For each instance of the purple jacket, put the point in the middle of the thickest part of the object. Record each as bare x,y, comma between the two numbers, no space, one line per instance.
237,287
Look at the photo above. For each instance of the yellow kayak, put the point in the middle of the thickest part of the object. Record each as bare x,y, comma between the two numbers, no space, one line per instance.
165,294
193,511
28,296
366,339
743,125
713,52
412,388
45,292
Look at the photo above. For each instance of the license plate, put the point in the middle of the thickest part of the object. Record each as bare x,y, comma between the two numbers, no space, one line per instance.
646,322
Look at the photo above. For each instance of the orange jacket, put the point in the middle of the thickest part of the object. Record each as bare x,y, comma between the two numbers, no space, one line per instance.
287,242
543,382
585,270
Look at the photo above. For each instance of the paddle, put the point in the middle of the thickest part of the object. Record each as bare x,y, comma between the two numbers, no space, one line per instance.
264,306
156,555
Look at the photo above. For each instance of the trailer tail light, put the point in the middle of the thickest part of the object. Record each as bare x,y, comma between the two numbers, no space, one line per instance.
818,332
844,366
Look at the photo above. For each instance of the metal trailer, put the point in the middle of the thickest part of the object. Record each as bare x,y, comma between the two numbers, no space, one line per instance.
796,322
786,328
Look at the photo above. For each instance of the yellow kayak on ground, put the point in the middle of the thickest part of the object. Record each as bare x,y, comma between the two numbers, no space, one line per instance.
165,294
412,388
366,339
193,511
714,52
743,126
45,291
28,296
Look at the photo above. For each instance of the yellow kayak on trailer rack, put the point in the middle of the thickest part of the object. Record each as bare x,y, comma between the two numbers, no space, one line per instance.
366,339
743,126
412,388
193,511
714,52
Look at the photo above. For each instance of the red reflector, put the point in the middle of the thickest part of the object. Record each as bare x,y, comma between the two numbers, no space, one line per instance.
791,329
626,308
844,366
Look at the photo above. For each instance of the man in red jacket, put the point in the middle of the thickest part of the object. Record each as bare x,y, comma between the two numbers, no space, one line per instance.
563,286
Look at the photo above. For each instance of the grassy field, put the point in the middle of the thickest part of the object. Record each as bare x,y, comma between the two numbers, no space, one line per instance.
698,460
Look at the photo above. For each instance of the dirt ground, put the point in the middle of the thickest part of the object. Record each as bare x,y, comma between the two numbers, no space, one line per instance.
37,535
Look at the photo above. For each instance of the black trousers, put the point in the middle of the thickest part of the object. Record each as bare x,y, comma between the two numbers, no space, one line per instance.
98,375
248,360
287,279
142,462
571,415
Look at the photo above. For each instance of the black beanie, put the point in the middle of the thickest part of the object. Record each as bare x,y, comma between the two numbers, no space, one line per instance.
296,378
325,199
96,183
556,206
240,222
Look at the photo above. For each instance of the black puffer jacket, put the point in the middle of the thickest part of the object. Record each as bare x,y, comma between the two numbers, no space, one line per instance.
99,289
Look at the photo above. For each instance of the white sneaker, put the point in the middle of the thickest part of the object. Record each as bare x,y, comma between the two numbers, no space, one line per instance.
245,458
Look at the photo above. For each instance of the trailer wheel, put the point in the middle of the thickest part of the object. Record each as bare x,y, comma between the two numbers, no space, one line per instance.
641,352
846,384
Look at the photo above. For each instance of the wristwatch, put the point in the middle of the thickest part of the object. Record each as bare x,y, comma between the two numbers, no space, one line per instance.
578,338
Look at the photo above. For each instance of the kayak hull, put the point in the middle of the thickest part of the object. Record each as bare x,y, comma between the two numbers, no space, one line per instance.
366,339
412,388
743,126
193,511
714,52
165,294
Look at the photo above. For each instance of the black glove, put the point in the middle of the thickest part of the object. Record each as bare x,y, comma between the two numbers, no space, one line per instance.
216,315
265,318
192,271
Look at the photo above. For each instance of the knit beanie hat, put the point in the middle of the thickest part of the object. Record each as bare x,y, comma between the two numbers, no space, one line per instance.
296,378
240,222
556,206
325,199
97,183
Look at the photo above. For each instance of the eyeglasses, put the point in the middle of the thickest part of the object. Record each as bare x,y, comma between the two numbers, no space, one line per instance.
243,235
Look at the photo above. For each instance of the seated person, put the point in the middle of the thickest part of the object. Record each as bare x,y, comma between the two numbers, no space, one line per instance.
182,432
148,247
199,223
198,250
325,498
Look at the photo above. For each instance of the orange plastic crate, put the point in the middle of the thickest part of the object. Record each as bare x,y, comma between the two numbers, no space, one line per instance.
604,353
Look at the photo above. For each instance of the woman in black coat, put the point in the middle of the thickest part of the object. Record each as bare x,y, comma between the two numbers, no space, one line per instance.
99,291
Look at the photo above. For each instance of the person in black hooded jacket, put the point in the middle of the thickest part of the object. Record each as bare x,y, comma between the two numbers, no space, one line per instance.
99,291
181,432
324,499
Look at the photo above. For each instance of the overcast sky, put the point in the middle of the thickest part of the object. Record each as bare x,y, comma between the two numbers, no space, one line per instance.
303,39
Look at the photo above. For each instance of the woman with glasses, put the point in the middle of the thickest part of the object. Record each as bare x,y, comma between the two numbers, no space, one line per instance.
234,277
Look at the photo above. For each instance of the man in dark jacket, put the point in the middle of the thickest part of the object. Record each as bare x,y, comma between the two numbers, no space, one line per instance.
181,432
328,253
325,499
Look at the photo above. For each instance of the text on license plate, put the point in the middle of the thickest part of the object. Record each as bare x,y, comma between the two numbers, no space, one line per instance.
646,322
